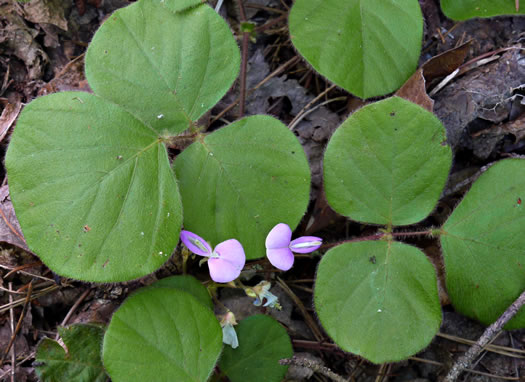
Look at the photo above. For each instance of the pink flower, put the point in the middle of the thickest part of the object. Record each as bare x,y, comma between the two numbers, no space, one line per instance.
225,261
279,246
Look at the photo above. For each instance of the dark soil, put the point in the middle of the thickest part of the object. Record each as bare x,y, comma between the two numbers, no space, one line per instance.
41,51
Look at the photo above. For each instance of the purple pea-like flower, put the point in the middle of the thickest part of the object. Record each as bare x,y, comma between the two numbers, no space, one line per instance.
279,246
225,261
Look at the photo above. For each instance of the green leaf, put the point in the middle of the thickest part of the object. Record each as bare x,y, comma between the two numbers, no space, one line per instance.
368,47
483,244
81,363
387,163
180,5
242,180
378,299
165,68
162,334
262,343
188,284
467,9
92,188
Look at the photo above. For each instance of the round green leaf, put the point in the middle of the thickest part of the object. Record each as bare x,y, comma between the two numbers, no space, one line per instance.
378,299
81,363
262,343
387,163
165,68
368,47
467,9
188,284
483,244
181,5
162,334
242,180
92,188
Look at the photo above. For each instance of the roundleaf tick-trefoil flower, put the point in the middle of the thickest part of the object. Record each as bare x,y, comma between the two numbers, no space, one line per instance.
229,336
262,292
279,246
225,261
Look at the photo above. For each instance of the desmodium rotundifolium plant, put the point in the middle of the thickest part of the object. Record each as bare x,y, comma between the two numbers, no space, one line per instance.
387,165
98,200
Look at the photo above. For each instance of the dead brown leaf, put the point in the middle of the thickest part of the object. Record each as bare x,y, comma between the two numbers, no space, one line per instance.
516,128
415,91
46,12
10,231
19,39
445,63
8,117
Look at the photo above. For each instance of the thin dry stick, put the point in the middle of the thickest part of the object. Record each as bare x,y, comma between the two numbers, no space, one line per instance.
465,361
73,308
277,71
307,317
292,125
35,295
14,330
334,348
503,350
441,364
22,267
11,343
314,366
309,104
30,356
13,229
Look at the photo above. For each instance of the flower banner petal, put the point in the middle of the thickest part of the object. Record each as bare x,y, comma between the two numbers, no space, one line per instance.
227,267
279,236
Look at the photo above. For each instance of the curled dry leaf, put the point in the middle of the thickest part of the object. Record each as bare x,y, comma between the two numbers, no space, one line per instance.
8,117
445,63
516,128
46,12
441,65
414,90
10,231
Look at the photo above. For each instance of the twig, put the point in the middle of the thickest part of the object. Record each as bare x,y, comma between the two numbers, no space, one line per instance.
503,350
13,336
14,330
296,120
13,229
309,104
464,361
382,374
35,295
73,308
31,355
267,9
19,270
218,6
329,347
307,317
314,366
262,28
441,364
21,267
277,71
